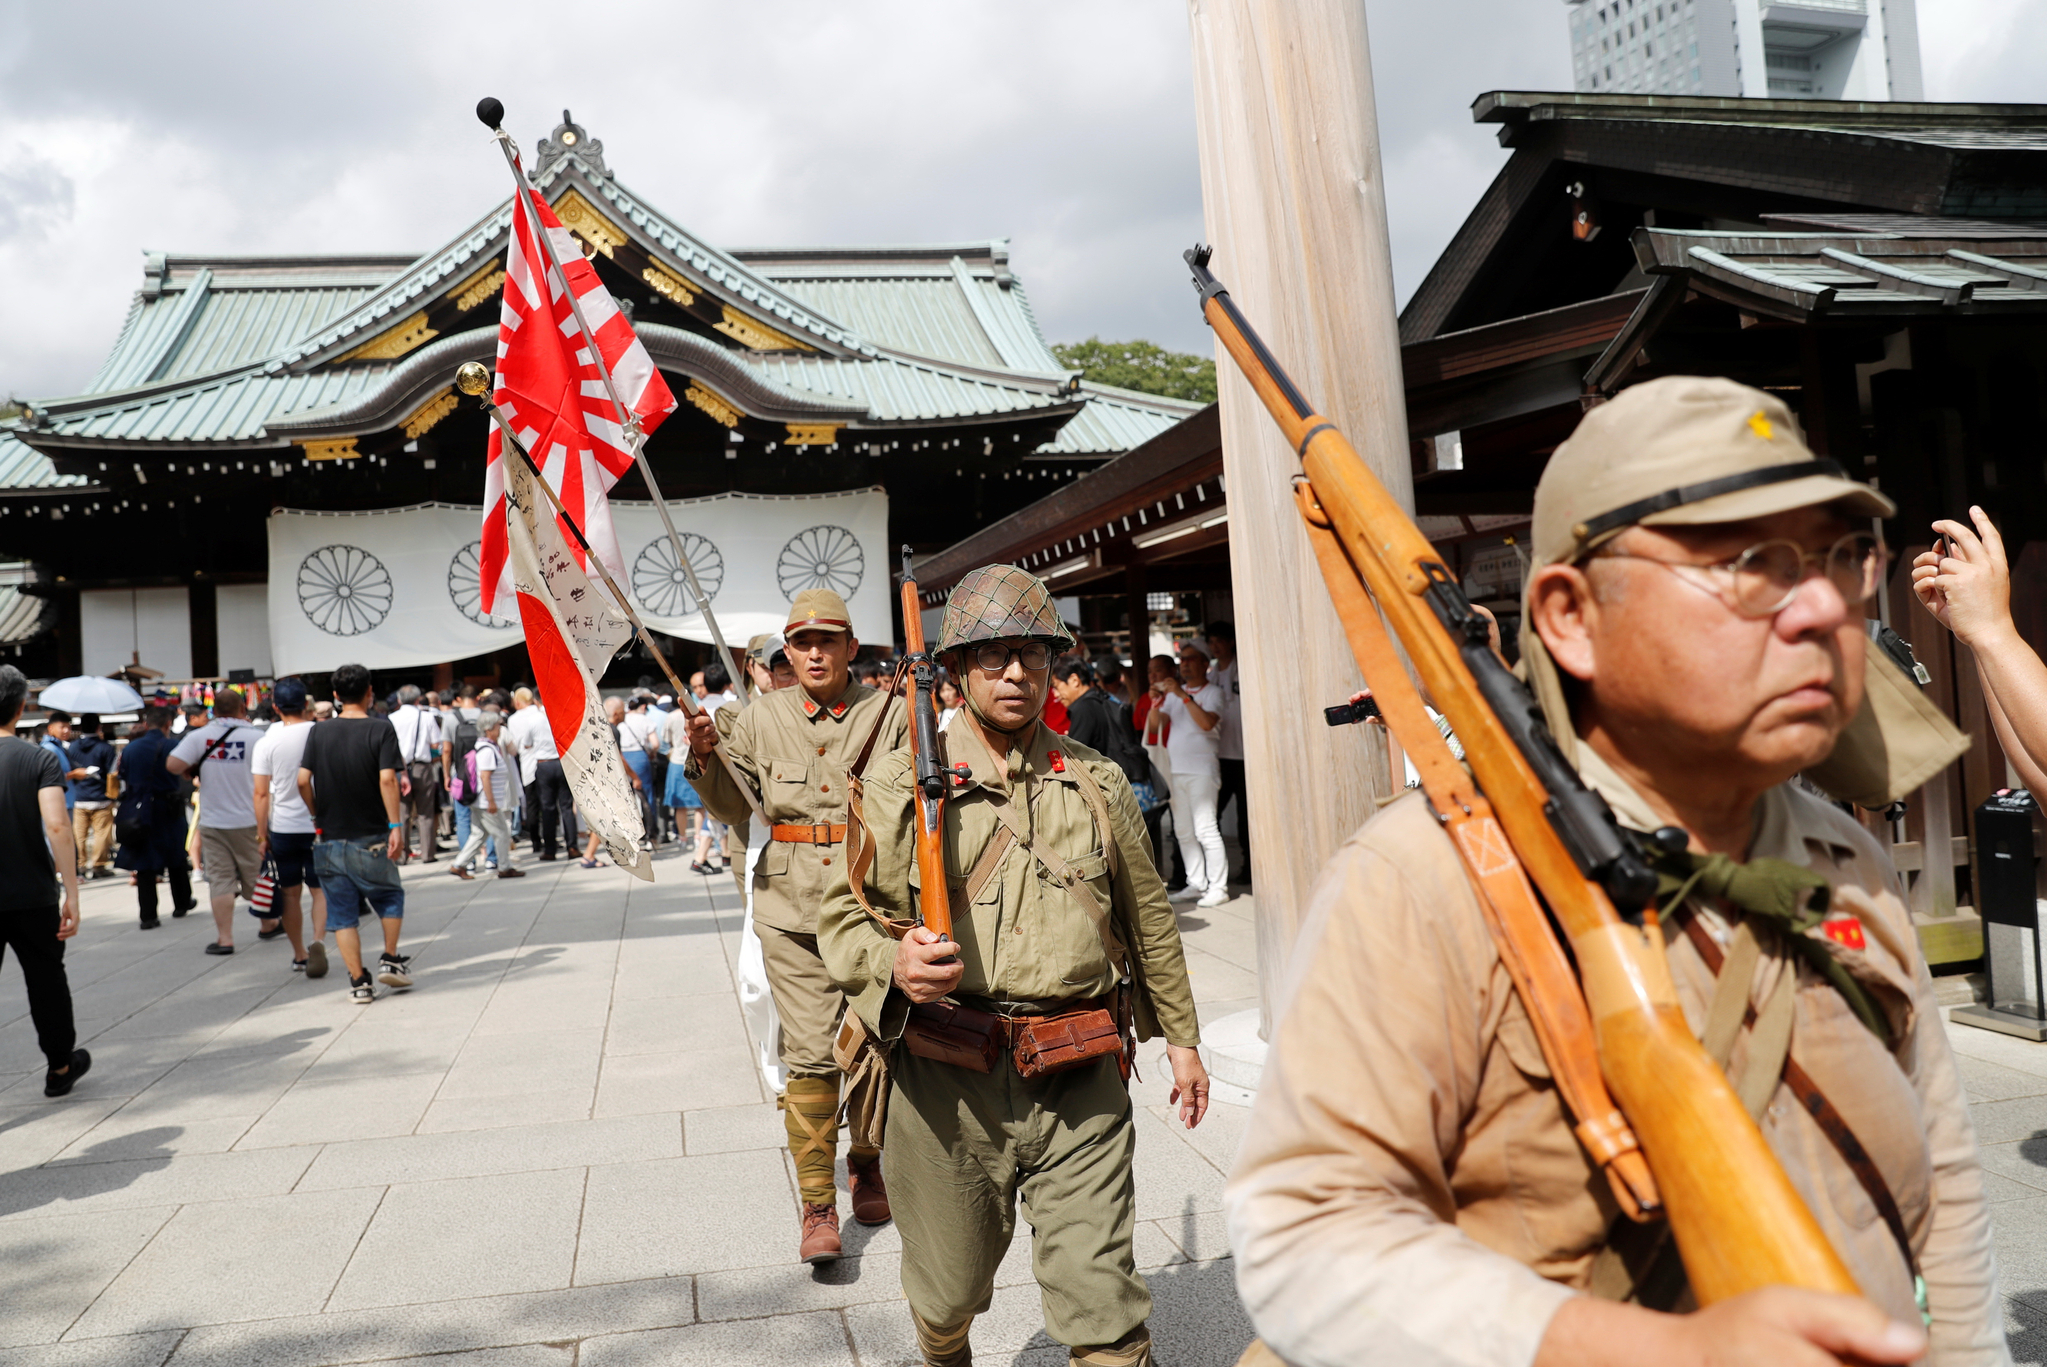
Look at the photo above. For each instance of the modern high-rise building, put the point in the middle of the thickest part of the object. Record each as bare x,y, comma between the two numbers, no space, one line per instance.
1761,49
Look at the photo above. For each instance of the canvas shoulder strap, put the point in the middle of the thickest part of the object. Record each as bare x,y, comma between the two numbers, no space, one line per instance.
859,842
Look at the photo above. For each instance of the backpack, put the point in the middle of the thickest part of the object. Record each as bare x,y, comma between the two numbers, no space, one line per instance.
462,784
1124,746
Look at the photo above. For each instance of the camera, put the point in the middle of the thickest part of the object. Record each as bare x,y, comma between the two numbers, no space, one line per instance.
1350,714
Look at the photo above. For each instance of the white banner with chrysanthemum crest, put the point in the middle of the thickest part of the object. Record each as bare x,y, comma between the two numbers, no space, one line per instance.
397,588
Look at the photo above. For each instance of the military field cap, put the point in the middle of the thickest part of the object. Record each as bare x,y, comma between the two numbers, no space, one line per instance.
817,610
763,648
1683,450
997,601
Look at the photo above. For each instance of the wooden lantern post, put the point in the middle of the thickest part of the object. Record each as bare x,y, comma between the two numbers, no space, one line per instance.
1294,201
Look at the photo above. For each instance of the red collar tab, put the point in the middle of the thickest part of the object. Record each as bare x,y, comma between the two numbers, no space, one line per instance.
1058,762
1844,930
962,774
839,709
809,708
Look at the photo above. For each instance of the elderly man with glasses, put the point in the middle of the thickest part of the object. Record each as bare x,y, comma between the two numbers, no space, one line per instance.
1410,1187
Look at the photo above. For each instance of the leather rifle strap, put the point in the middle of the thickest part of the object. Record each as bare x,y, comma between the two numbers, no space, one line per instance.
1830,1120
859,847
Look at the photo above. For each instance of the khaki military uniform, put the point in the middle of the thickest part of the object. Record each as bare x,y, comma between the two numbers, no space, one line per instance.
1410,1190
795,753
964,1146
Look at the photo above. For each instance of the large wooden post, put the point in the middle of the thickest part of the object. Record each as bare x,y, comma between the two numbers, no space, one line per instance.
1294,201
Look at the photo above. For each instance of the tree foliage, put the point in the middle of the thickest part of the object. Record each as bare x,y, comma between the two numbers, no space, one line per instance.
1143,366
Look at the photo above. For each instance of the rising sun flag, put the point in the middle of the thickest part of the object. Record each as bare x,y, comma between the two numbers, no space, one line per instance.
552,392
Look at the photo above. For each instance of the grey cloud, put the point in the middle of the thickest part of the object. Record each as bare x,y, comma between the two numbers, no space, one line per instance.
35,197
1065,125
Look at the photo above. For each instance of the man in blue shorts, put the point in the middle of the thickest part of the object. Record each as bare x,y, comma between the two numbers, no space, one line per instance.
348,779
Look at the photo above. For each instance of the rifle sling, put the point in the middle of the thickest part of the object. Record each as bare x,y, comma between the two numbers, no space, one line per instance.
1830,1120
859,846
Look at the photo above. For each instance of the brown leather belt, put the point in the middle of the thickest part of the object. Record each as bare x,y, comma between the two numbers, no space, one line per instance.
1007,1026
808,835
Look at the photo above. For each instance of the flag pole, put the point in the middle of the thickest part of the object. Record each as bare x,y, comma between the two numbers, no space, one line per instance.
491,112
473,379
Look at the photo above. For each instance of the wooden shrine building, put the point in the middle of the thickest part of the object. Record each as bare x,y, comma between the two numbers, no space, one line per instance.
243,384
1880,267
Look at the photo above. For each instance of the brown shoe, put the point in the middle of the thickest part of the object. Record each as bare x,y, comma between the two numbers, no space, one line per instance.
510,873
870,1193
461,873
820,1234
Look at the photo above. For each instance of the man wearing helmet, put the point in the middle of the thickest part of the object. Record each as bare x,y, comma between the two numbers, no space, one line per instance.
1063,933
794,747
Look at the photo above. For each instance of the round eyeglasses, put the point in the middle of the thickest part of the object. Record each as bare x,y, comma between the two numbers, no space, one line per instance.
1762,580
994,656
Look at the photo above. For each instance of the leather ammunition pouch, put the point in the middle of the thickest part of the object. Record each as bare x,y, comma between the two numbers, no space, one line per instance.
950,1033
1038,1045
1052,1044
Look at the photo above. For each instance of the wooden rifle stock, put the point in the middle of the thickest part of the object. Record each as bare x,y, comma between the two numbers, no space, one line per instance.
934,897
1738,1221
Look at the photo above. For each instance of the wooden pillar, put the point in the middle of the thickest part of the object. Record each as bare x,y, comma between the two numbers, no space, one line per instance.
1293,198
1139,612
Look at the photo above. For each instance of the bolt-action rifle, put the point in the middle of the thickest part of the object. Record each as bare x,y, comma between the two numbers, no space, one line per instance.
1612,1031
934,899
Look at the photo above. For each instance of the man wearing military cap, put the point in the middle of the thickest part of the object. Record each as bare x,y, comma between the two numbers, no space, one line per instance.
1064,934
1410,1187
794,748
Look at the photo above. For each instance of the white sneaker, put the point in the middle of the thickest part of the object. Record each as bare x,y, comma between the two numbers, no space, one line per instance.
1214,897
1188,893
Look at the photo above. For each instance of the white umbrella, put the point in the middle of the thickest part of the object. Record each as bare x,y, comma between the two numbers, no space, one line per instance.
89,693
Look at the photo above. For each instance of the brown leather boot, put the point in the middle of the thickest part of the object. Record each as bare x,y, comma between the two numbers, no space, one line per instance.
870,1193
820,1226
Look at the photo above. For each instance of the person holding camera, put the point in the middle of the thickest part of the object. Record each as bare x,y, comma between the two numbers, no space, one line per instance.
1965,582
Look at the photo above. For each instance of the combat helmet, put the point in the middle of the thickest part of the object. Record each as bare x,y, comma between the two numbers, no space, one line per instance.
1001,600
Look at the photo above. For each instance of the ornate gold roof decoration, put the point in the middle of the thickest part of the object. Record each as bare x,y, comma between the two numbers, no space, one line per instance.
757,336
713,403
813,433
677,292
479,287
394,342
334,448
430,412
580,217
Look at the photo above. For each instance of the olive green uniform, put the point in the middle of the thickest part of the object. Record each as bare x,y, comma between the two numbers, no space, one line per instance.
963,1146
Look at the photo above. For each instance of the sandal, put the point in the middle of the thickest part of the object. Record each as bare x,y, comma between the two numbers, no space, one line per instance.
586,863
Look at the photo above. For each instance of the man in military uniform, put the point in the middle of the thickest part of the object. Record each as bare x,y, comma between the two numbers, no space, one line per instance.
794,747
1059,917
1410,1188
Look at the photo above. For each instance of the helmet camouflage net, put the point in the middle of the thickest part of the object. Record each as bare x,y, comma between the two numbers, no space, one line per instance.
1001,600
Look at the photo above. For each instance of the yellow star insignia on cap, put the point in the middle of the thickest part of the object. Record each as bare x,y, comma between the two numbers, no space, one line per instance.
1760,425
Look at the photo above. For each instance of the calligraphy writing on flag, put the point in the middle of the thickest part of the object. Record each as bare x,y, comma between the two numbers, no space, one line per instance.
572,631
552,392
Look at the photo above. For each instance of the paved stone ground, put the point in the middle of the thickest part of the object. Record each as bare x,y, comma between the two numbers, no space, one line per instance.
553,1150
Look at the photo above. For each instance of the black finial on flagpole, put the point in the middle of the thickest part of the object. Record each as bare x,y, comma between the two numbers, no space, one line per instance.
491,111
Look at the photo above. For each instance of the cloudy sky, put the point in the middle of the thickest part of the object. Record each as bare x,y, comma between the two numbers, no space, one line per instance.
1065,125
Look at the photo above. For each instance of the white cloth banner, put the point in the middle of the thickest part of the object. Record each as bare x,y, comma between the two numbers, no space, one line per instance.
573,630
398,588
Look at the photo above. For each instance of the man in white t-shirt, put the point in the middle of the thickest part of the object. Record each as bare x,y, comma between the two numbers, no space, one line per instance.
418,726
217,755
284,828
1193,707
489,819
1222,649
